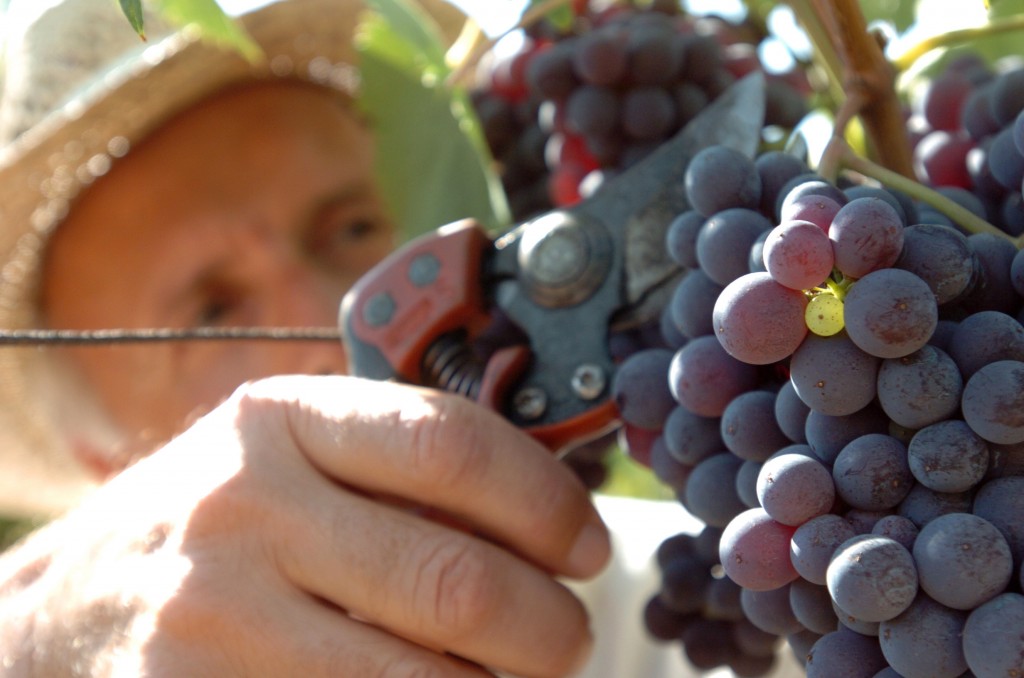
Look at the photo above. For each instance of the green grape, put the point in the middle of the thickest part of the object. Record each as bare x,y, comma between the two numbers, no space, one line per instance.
824,315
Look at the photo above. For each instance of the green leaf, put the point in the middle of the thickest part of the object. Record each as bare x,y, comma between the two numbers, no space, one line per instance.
133,11
560,17
212,22
432,161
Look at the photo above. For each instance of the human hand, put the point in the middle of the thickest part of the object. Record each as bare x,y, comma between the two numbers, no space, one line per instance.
275,537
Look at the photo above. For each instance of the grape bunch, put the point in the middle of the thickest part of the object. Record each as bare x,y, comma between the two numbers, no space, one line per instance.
967,132
571,108
838,394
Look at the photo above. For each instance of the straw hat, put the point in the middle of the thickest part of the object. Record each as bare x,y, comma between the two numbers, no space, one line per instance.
77,90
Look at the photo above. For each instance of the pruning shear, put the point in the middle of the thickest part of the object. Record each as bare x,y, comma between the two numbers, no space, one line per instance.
520,322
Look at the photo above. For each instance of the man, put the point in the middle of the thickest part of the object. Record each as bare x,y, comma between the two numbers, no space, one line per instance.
280,533
248,523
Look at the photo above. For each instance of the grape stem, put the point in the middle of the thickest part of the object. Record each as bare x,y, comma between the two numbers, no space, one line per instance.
970,221
905,60
867,77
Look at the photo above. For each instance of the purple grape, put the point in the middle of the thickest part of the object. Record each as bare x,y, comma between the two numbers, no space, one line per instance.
985,337
801,186
652,57
683,583
897,528
704,378
924,641
665,467
746,483
872,578
663,623
769,610
599,57
693,302
871,472
752,640
707,643
812,606
848,621
1001,502
640,389
681,238
798,255
550,72
1017,269
793,488
722,600
993,402
1008,95
775,168
592,111
647,113
711,490
724,242
817,209
992,290
791,413
1004,160
948,456
890,313
754,551
719,178
691,438
866,235
991,637
828,435
940,256
832,375
844,654
889,196
962,560
923,505
813,544
758,321
921,388
748,426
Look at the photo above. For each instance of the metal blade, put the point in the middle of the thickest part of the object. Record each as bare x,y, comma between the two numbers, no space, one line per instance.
638,206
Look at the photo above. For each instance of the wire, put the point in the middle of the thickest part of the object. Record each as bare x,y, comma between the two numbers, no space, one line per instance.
38,337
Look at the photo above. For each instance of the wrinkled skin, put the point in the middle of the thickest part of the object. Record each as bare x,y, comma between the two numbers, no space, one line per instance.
250,546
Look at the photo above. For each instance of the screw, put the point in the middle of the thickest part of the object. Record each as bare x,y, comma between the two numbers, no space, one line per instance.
530,403
588,381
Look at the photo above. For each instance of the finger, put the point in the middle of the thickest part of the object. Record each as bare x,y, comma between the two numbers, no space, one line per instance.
444,451
282,633
439,587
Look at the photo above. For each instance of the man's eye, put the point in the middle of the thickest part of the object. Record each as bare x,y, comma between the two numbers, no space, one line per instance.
350,232
216,307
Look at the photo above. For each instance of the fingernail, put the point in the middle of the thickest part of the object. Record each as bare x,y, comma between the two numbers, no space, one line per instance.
591,550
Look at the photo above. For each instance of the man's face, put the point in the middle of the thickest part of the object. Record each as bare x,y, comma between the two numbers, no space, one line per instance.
258,208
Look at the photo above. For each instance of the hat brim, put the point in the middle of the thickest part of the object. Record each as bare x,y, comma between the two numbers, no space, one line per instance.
43,170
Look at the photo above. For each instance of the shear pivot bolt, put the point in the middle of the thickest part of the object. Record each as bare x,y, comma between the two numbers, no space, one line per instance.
530,403
588,381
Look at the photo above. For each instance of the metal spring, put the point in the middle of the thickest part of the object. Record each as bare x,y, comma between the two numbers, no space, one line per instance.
449,364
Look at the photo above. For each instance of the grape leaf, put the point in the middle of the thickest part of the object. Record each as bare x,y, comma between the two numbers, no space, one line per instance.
133,12
211,21
432,160
561,17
